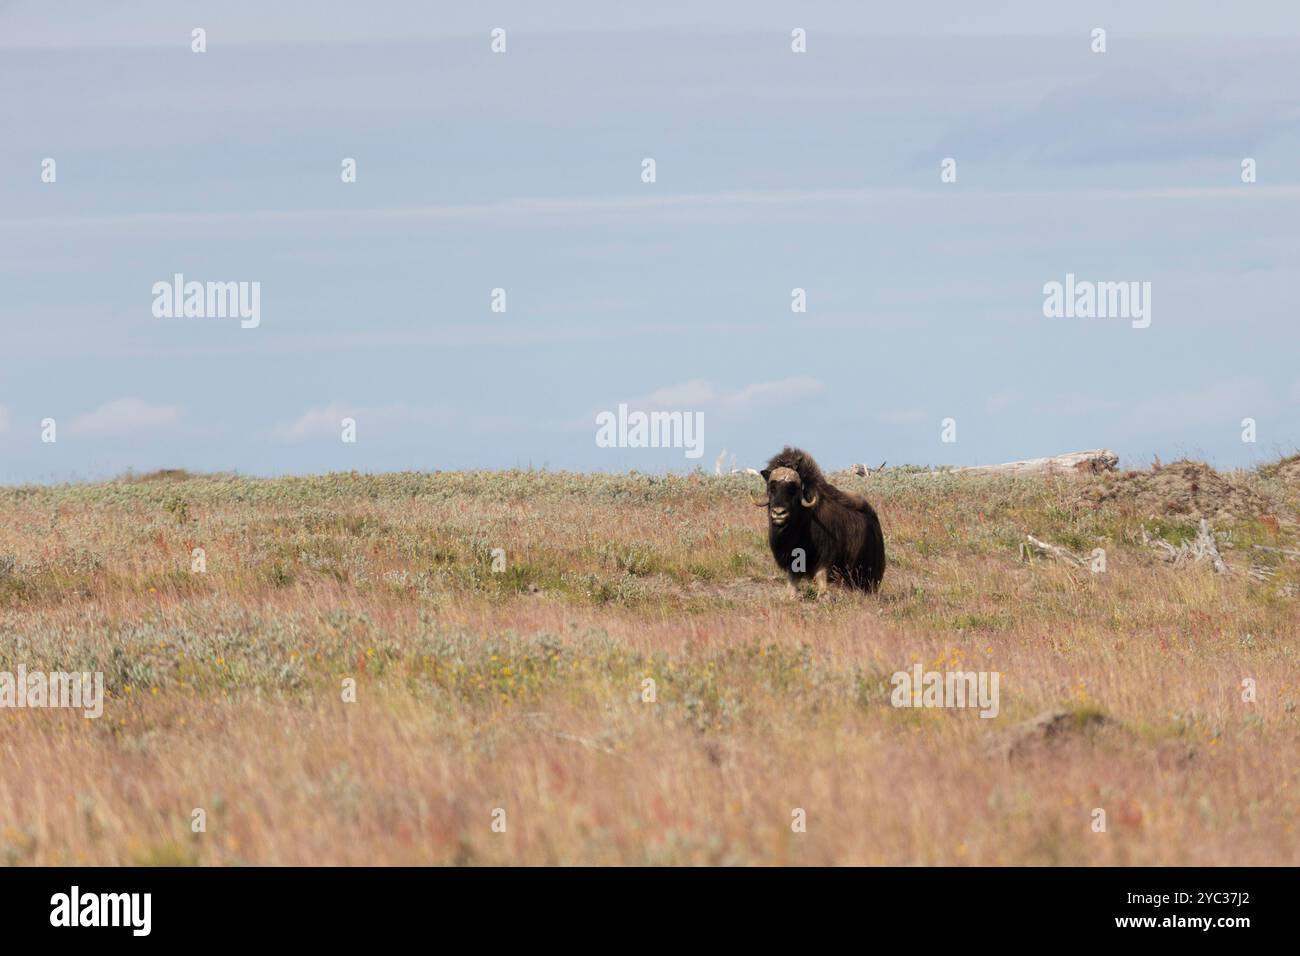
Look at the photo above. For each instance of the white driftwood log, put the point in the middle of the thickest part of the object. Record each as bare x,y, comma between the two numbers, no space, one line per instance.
1087,462
1045,550
1202,547
1206,547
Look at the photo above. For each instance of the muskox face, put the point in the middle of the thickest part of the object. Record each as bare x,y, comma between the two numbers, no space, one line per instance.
785,496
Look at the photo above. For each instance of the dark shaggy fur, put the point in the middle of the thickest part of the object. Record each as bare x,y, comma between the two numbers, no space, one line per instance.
840,535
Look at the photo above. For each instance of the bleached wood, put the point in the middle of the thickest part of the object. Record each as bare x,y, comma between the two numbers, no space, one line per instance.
1043,549
1202,547
1086,462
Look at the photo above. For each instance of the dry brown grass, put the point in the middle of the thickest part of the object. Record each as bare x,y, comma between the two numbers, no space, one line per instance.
522,690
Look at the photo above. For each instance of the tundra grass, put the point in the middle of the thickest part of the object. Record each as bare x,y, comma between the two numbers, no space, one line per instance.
605,669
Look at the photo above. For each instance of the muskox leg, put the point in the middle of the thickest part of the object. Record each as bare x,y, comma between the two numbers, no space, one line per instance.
791,589
820,577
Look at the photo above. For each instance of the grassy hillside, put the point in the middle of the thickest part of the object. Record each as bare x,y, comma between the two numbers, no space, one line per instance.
523,690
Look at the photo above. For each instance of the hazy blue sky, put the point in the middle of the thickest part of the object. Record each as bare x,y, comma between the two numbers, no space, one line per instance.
522,171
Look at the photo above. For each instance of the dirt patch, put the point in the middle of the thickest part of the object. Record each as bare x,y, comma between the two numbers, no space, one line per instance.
1186,489
1287,471
1048,728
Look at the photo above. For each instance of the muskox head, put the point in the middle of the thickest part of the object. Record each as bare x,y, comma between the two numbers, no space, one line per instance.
785,494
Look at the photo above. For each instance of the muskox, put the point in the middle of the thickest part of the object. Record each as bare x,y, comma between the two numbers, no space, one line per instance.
816,530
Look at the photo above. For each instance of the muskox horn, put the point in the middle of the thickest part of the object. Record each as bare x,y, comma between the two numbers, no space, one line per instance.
753,497
808,503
